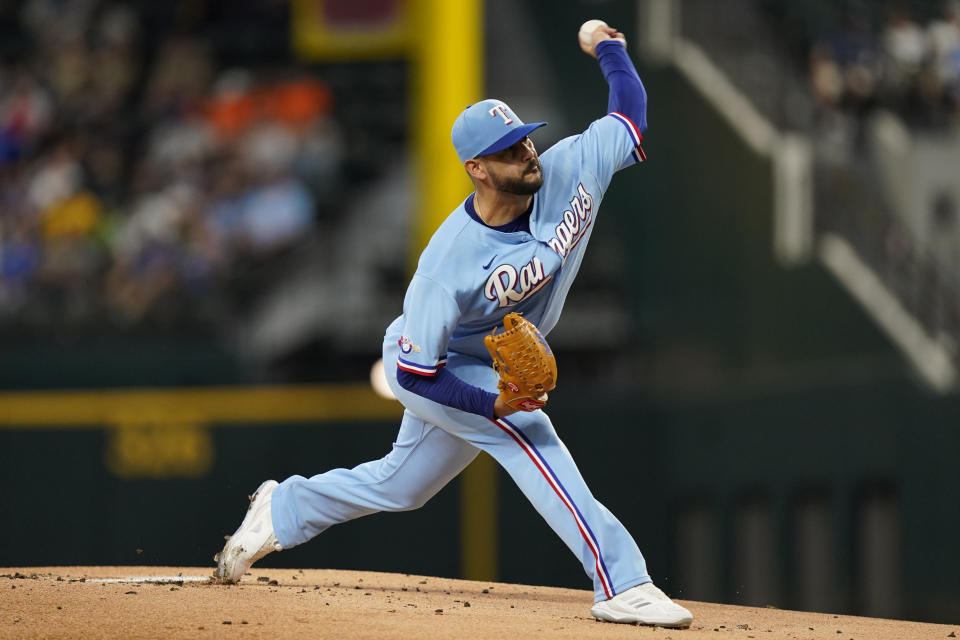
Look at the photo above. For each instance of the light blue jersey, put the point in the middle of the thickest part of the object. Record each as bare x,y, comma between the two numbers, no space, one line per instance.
470,275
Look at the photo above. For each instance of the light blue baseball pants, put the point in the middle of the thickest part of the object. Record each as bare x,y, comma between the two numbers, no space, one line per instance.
435,444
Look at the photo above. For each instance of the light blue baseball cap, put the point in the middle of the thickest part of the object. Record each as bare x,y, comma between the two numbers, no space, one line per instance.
487,127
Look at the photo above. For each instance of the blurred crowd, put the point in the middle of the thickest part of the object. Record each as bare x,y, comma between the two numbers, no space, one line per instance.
141,177
908,66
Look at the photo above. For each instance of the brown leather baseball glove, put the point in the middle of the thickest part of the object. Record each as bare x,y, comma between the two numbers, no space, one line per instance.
524,361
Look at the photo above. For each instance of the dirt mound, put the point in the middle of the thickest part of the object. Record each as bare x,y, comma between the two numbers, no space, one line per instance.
176,602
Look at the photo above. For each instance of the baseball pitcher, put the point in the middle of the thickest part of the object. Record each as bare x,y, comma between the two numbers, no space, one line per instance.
489,287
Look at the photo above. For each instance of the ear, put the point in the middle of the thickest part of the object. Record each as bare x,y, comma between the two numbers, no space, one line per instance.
475,169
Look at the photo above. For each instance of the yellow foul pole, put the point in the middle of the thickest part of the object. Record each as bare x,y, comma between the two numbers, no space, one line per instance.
448,75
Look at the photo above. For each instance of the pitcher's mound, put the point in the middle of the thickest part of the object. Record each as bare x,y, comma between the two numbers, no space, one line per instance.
179,603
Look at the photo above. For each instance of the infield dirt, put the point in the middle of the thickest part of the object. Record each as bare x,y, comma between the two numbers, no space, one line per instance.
176,603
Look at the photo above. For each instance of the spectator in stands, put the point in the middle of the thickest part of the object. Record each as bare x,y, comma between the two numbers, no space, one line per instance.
26,111
904,44
19,260
826,78
944,38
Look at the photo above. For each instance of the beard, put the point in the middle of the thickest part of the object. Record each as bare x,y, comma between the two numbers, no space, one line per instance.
522,186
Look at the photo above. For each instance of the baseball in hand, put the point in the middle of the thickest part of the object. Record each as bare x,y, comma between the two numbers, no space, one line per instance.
586,33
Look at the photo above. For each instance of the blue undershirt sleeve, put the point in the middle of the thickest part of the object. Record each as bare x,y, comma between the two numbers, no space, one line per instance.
447,389
627,95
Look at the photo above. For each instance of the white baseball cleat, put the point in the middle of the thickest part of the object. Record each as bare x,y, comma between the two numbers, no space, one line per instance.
643,604
253,540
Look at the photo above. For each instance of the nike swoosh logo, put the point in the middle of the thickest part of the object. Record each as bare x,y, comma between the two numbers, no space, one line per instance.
487,266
